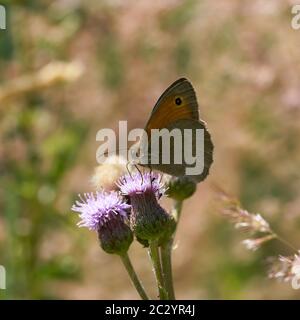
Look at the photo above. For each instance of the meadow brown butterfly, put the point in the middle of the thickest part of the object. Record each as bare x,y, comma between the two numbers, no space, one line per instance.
177,108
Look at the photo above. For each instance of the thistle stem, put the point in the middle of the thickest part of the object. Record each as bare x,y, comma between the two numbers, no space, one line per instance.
154,255
166,254
166,260
133,276
177,211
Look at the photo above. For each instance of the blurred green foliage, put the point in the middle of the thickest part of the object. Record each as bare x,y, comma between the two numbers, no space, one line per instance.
50,139
28,197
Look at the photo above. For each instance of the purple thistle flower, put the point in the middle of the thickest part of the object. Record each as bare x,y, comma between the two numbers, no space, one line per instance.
148,182
106,213
148,219
96,209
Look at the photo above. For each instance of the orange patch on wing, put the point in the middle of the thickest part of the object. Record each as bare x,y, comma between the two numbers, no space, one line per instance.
167,113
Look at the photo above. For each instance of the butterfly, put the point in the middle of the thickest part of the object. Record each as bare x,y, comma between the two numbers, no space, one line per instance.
177,108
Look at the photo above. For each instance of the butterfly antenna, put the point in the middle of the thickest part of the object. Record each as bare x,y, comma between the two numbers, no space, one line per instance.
137,168
127,168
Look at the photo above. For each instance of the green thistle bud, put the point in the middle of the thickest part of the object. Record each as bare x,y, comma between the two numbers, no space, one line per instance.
115,236
180,188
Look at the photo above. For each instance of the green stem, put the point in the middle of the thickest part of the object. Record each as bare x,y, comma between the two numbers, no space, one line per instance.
133,276
154,254
166,254
177,211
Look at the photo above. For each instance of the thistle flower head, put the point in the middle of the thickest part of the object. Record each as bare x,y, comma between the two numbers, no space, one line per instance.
139,184
108,173
106,213
148,219
96,209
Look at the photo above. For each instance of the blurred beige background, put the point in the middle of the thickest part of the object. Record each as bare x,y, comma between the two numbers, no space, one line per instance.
71,67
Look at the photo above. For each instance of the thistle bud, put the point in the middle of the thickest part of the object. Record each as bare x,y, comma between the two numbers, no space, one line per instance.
106,213
180,188
115,236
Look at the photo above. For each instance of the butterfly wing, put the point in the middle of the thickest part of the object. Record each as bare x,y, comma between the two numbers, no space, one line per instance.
204,159
177,108
177,102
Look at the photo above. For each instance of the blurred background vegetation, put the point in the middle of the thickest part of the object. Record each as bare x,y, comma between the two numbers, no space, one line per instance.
72,67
